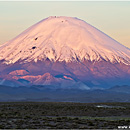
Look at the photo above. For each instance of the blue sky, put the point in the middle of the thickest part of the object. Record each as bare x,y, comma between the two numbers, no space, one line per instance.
113,18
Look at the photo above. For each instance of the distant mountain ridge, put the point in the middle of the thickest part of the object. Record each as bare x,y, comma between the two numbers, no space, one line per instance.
47,94
122,89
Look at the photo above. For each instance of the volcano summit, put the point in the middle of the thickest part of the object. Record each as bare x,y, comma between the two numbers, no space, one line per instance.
64,52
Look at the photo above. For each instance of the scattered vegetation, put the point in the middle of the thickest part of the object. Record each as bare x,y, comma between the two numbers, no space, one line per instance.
55,115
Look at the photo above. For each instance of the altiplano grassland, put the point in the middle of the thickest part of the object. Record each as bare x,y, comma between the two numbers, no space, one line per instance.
57,115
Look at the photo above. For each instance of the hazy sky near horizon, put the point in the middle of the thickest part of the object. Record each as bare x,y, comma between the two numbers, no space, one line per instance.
112,18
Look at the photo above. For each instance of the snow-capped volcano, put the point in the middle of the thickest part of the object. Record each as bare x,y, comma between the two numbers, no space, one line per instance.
63,39
64,51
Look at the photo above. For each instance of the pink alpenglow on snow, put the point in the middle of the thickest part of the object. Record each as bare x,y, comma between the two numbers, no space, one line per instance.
63,39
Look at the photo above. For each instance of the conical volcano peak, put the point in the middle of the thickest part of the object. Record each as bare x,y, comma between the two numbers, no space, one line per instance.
63,39
62,19
64,52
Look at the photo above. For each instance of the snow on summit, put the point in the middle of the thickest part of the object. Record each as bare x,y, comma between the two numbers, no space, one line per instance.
63,39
